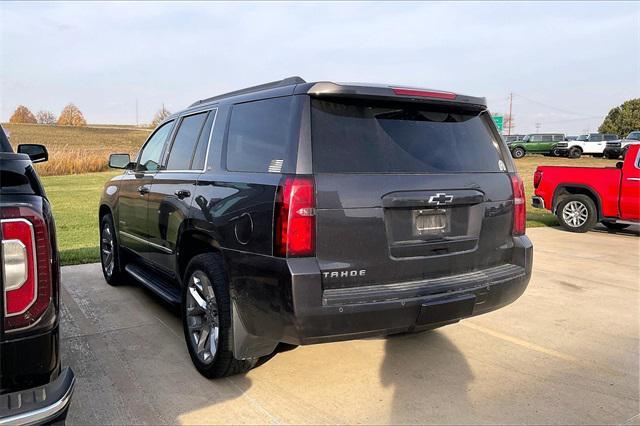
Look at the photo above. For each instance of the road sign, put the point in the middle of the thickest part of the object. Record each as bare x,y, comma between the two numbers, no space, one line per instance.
498,119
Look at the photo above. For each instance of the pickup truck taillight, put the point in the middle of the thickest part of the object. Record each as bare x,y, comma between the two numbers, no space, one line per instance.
537,177
519,206
295,220
26,266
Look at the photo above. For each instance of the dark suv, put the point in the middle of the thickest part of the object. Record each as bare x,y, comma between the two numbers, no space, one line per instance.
296,213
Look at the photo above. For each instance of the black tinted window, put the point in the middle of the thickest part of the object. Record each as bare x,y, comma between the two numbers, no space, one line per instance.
260,137
359,138
185,142
150,156
595,137
200,155
610,137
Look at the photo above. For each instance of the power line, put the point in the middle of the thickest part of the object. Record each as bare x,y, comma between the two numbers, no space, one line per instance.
549,106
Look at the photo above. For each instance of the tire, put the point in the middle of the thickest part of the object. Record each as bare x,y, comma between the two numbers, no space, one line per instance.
206,308
612,226
575,152
555,153
577,213
110,258
518,152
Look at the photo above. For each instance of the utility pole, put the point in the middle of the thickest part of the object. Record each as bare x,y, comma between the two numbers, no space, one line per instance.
510,116
137,122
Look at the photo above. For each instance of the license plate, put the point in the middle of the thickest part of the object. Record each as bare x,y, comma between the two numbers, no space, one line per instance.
430,222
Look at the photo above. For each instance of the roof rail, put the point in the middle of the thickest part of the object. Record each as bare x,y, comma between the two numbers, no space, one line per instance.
280,83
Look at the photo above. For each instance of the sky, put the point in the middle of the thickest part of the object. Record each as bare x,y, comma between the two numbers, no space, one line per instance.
567,64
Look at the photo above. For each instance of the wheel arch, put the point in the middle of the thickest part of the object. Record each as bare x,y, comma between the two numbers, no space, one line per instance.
562,191
191,243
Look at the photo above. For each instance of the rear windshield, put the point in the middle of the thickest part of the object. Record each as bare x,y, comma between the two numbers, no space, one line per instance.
349,137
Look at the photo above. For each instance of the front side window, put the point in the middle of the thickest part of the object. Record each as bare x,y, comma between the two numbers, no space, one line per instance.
260,136
185,141
149,159
583,138
634,136
595,137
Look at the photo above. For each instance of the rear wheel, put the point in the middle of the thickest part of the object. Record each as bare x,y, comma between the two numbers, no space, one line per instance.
518,153
206,318
577,213
613,226
575,152
112,266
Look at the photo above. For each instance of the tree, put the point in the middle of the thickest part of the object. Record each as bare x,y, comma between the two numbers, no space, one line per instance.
160,116
22,115
622,119
71,116
45,117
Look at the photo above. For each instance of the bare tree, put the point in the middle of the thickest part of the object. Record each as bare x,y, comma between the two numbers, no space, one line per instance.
22,115
45,117
160,116
71,116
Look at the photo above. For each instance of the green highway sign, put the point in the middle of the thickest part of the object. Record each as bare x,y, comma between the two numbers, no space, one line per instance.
498,119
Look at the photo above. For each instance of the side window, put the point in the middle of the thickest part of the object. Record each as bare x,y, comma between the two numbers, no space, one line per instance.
200,154
595,138
260,136
185,141
149,159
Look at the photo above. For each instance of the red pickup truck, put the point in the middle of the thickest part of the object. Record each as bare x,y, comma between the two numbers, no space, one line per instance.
582,196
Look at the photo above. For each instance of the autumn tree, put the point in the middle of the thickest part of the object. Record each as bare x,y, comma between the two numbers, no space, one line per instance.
160,116
71,116
622,119
45,117
22,115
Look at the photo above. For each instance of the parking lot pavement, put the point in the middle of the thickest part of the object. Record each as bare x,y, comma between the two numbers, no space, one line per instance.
566,352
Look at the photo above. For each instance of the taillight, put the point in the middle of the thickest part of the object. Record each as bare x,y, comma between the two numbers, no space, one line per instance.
537,177
295,220
519,206
26,266
425,93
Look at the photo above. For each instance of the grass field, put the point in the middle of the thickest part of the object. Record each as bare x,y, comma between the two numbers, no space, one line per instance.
75,150
75,205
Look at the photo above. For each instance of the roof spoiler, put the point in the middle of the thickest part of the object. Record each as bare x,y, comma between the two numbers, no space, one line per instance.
272,85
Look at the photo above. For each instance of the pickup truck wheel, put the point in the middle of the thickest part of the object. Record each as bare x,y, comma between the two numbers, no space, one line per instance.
206,318
575,152
518,153
112,267
577,213
613,226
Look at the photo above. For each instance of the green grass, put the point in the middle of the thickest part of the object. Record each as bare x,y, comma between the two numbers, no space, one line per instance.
74,200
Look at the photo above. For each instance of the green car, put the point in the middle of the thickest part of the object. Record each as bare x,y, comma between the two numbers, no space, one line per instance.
536,143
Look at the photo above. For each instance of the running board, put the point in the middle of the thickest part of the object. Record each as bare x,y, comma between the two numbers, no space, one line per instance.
159,286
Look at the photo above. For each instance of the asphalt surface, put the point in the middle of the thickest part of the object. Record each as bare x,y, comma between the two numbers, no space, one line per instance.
567,352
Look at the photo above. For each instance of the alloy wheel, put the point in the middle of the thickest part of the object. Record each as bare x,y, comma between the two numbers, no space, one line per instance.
106,250
202,317
575,214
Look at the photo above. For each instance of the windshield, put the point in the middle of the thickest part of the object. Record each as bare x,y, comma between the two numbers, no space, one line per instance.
399,138
583,137
634,135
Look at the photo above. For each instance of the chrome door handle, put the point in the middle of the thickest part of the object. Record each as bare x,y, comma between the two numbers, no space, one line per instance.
183,193
142,189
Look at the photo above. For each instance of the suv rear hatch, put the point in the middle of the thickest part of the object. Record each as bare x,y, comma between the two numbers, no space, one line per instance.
407,191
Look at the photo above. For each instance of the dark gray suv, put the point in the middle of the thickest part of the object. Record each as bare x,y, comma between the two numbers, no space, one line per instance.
296,213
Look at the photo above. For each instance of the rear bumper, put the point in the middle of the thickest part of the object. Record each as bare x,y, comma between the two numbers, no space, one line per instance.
300,312
537,202
38,405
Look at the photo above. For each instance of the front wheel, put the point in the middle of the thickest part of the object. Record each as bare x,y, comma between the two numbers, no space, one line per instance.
112,266
577,213
518,153
575,153
206,319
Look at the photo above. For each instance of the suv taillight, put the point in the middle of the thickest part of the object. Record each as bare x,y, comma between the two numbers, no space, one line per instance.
295,220
519,206
26,266
537,177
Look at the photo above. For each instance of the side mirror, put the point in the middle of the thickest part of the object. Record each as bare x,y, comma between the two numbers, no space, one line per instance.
37,153
119,161
619,165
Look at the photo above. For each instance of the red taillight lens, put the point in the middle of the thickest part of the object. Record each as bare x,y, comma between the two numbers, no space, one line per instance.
537,177
519,206
425,93
295,217
26,266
